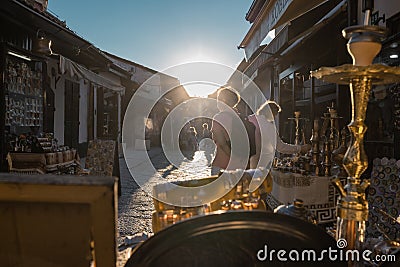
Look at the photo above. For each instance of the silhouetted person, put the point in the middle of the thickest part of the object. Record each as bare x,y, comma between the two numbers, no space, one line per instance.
223,130
206,131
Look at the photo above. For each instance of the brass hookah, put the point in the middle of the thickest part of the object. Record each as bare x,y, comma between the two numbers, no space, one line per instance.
334,132
315,151
363,45
298,138
327,161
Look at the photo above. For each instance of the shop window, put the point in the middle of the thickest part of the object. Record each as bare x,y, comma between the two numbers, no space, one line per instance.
107,114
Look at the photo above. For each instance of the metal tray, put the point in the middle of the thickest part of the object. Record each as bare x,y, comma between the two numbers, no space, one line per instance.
232,238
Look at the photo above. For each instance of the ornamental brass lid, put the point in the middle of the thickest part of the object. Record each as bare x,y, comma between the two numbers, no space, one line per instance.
345,74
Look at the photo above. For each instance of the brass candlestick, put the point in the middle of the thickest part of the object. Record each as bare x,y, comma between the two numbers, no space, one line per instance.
364,45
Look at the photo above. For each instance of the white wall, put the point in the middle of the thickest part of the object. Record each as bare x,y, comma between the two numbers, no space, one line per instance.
58,89
139,74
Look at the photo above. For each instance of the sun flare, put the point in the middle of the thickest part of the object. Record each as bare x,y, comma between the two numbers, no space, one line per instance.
200,73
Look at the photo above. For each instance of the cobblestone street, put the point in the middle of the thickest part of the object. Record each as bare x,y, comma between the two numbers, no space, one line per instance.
135,206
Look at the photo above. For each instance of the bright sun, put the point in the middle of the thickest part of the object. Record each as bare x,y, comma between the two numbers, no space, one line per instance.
200,90
200,72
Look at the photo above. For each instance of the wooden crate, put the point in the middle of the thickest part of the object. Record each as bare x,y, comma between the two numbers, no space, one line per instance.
50,220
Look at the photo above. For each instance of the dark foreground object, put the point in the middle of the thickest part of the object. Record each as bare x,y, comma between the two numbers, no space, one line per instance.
234,239
57,220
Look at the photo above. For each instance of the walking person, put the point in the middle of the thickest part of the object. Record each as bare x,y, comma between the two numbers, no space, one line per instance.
222,131
206,131
264,121
192,136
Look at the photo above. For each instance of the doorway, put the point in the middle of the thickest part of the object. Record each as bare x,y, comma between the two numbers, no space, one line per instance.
71,113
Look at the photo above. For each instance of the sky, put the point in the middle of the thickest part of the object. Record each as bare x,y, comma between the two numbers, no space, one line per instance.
161,34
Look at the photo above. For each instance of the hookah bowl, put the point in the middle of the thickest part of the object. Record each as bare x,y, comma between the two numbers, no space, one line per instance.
363,45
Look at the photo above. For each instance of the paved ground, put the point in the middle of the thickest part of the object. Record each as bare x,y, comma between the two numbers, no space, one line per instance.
135,207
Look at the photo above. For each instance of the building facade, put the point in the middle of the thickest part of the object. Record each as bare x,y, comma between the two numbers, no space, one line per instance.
58,84
305,40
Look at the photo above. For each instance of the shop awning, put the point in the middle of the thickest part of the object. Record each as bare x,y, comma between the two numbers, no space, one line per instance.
272,15
281,45
74,69
314,29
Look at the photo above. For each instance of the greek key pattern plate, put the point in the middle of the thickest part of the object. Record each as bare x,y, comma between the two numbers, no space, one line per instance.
324,213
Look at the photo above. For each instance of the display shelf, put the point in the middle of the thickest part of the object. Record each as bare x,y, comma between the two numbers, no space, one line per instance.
23,86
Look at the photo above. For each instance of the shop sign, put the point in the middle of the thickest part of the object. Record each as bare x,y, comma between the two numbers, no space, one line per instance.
276,12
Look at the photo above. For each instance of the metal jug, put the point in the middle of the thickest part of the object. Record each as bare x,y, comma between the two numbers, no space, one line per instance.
297,210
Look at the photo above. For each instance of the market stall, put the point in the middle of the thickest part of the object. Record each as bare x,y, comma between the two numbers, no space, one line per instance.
29,162
23,97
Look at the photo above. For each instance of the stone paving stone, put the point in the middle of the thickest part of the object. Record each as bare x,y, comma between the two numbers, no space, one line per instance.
135,206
